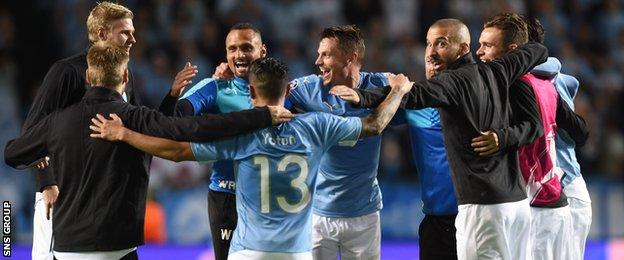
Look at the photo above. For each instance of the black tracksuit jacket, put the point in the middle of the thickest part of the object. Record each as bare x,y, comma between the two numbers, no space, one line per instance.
474,97
103,185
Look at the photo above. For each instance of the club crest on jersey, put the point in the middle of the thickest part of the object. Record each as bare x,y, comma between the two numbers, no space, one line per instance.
293,84
296,82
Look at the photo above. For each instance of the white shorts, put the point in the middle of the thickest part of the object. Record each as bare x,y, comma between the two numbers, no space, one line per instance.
577,189
42,231
551,229
494,231
581,211
355,238
260,255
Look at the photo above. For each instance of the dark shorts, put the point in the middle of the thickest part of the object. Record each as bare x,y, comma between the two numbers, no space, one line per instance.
223,218
437,238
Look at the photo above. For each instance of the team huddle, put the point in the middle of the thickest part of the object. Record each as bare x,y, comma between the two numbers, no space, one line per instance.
295,160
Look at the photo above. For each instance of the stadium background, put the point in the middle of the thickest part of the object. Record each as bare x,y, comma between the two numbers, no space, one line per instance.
586,35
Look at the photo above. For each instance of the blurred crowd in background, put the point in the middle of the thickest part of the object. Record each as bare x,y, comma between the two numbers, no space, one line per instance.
586,35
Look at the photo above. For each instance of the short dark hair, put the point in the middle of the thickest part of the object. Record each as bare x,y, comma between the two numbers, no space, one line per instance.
513,26
349,37
534,29
269,76
246,26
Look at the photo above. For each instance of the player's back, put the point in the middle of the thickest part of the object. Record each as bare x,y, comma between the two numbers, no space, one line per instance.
276,170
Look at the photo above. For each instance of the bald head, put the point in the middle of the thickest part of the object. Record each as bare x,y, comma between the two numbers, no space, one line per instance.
457,29
447,41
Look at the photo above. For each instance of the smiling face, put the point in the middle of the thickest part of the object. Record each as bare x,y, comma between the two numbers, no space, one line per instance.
243,47
491,44
121,34
441,50
332,62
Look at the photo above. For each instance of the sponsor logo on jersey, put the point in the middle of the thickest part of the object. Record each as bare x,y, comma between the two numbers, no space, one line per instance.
225,184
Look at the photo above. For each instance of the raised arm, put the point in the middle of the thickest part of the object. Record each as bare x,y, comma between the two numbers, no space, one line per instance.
180,82
113,130
436,92
441,90
171,106
377,121
518,62
168,104
202,128
372,97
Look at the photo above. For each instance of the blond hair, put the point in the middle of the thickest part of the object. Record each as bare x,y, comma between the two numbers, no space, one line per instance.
106,65
101,17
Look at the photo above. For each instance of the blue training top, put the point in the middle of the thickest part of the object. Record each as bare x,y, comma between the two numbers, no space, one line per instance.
220,96
429,155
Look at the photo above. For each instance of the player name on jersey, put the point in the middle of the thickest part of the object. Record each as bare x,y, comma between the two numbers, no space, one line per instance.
276,140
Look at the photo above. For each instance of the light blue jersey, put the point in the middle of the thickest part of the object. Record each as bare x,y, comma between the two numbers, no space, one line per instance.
276,172
347,184
567,87
213,96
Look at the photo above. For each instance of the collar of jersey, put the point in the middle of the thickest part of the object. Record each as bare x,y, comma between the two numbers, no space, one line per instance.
240,82
359,85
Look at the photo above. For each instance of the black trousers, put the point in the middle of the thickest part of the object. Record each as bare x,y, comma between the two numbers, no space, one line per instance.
223,218
130,256
437,238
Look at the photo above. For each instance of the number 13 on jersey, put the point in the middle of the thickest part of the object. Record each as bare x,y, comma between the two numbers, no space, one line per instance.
298,183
